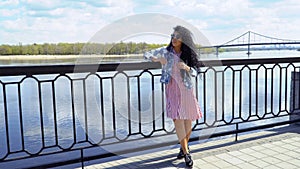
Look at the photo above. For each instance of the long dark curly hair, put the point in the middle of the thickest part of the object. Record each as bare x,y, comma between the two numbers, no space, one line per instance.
188,48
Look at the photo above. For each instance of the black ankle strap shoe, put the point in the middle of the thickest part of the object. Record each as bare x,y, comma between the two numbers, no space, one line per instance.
181,154
188,160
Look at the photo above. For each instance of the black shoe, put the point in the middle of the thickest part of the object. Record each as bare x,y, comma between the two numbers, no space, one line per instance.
188,160
181,154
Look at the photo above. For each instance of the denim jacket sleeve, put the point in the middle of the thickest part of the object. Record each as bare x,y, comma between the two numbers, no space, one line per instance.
167,68
160,52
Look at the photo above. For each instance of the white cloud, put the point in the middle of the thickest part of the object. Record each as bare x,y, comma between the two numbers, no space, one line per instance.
61,24
9,2
42,4
277,20
9,12
35,21
223,20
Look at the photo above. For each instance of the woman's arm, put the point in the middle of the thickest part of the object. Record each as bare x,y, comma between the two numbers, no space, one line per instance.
156,55
161,60
182,65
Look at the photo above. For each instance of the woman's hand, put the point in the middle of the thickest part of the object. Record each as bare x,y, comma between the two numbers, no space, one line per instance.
182,65
163,61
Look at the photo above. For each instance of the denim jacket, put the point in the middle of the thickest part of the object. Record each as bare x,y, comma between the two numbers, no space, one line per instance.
167,68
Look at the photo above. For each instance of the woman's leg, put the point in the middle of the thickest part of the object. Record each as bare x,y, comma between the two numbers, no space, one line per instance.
188,129
182,134
183,131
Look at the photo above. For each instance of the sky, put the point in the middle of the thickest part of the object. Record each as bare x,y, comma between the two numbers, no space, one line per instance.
72,21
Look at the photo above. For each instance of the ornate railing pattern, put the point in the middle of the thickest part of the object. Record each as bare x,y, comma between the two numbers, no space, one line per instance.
51,110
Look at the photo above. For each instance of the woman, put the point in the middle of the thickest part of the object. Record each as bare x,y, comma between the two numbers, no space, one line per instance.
178,59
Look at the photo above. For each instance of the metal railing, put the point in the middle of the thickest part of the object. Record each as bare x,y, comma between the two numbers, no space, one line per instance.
93,110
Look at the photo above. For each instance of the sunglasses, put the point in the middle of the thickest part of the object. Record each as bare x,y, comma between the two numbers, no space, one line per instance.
177,36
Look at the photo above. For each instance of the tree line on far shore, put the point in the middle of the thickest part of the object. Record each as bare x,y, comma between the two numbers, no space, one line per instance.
120,48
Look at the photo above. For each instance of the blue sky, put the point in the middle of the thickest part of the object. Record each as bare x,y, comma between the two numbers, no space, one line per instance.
53,21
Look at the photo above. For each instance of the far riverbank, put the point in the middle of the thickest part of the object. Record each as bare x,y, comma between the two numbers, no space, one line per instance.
59,59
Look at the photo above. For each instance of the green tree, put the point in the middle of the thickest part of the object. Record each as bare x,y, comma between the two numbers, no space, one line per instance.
119,48
5,50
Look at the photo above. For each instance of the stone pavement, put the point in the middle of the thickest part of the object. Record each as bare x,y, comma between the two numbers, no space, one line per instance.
271,149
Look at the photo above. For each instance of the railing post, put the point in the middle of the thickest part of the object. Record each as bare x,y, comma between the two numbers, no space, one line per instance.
295,96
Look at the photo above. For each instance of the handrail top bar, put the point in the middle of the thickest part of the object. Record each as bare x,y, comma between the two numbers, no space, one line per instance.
73,68
29,70
255,61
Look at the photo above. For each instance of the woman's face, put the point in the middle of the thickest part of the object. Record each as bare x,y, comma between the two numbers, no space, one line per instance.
176,39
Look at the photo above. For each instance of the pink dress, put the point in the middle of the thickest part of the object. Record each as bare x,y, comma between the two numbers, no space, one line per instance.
181,102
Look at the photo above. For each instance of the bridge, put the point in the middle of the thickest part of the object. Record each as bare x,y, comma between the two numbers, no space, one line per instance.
257,40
